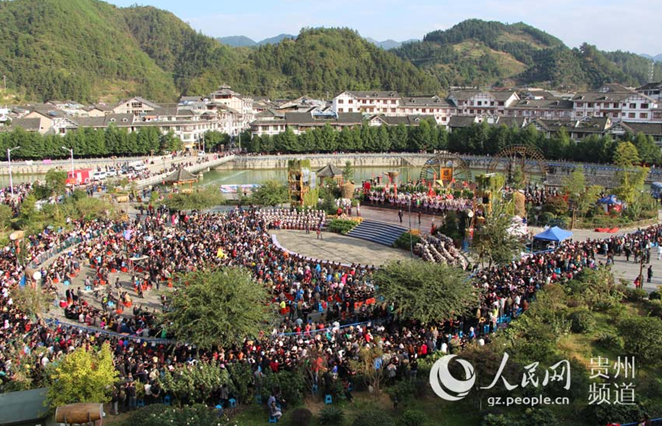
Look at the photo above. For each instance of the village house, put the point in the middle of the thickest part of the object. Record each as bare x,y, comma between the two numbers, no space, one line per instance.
476,102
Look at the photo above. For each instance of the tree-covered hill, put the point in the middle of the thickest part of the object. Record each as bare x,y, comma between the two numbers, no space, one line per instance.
74,49
476,52
87,49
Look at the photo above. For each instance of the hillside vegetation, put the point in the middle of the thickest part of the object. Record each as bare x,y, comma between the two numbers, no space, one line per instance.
479,53
88,50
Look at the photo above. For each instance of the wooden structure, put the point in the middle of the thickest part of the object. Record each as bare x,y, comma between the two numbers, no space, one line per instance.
330,171
180,176
298,180
527,159
445,167
82,413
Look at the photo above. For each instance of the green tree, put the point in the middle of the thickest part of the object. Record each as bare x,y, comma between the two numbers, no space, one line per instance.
517,177
426,291
270,193
648,151
632,181
492,241
33,300
82,376
197,200
348,172
6,215
218,308
56,181
626,155
575,184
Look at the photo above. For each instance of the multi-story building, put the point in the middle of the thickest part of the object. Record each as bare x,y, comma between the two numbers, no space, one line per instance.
299,122
136,106
477,102
652,90
616,102
439,108
367,102
541,108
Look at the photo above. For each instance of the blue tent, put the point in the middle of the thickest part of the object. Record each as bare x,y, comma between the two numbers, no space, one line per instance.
554,234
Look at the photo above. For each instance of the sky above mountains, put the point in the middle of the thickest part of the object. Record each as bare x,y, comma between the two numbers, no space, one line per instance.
631,25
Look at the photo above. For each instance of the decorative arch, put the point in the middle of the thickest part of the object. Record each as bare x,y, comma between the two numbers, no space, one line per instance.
432,167
530,160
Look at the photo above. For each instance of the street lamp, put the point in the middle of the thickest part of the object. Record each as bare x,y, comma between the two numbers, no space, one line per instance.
71,151
11,182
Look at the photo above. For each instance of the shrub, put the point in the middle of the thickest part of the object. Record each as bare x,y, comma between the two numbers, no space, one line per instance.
655,295
613,413
556,205
157,415
341,226
560,221
332,416
301,417
373,418
496,420
608,341
635,294
403,241
642,336
413,418
402,390
539,417
290,384
582,321
545,218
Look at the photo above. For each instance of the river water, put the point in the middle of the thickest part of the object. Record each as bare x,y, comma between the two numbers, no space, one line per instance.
246,177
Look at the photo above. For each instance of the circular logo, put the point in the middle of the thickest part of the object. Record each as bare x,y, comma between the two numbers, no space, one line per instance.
441,379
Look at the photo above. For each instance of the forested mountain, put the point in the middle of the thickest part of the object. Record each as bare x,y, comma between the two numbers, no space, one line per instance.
243,41
237,41
88,50
478,53
275,39
74,49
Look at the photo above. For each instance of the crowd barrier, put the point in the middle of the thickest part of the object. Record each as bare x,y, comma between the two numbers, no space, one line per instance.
94,330
71,241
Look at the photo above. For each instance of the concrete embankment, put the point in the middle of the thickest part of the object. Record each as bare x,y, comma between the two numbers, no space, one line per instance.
596,174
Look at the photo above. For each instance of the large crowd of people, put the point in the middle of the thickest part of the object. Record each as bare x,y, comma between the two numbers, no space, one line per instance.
328,311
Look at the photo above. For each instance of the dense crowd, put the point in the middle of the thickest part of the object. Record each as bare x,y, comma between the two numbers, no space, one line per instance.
329,311
20,192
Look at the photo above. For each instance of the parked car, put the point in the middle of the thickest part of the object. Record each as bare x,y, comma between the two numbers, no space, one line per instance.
98,176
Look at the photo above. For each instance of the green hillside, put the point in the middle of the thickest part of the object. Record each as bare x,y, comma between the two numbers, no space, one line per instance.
74,49
478,53
87,49
325,61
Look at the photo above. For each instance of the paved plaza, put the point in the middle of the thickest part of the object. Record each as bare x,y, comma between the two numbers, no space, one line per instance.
338,248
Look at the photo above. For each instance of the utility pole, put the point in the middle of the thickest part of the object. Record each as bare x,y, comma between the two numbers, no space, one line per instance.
71,151
411,244
11,182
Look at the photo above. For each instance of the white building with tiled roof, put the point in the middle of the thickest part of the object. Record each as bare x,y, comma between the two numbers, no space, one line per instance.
476,102
616,102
